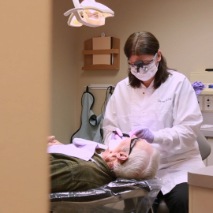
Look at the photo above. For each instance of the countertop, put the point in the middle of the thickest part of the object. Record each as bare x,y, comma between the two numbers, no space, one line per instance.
201,177
207,130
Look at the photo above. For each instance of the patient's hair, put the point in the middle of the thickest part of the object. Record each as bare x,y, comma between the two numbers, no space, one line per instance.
140,165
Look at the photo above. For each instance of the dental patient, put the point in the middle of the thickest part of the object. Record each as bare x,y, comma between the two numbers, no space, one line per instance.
85,164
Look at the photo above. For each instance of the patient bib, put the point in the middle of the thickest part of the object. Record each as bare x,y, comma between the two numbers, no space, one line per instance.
80,148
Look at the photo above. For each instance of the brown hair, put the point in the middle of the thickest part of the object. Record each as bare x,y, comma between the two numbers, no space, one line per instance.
140,43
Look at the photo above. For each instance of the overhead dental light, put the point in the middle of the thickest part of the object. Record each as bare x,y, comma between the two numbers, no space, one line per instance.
89,13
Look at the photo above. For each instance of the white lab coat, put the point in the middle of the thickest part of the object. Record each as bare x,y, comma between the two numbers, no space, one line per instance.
171,112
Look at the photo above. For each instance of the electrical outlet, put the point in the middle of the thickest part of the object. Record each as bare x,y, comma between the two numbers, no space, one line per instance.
208,103
200,101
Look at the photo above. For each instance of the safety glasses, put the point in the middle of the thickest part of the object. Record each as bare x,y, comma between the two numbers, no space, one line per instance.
132,144
141,64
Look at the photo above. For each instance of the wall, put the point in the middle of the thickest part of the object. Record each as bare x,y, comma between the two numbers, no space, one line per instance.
25,64
183,28
64,74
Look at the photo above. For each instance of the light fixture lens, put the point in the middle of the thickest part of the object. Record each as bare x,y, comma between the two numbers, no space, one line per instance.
72,21
93,17
89,13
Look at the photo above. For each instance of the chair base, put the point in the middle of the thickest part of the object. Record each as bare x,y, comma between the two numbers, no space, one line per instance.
162,208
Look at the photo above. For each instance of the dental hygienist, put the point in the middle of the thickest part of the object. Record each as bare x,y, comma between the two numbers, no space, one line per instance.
157,104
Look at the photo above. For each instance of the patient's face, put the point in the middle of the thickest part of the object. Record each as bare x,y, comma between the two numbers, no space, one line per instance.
120,153
111,156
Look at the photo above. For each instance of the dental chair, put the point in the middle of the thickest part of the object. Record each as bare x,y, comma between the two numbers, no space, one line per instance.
120,196
205,151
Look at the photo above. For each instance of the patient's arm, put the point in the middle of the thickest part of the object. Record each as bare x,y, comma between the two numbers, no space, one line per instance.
52,141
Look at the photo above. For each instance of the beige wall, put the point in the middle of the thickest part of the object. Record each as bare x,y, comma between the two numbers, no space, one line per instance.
184,29
64,74
25,62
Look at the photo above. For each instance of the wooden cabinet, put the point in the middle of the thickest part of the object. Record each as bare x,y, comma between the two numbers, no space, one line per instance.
88,53
201,190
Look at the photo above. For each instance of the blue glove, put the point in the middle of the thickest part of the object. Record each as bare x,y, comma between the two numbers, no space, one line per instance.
198,87
143,133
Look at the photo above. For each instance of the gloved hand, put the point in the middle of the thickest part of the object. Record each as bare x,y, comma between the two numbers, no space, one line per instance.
116,138
117,134
198,87
143,133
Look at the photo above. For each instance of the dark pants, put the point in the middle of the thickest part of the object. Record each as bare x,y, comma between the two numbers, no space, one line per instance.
177,199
